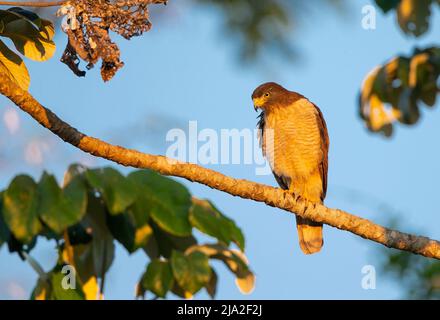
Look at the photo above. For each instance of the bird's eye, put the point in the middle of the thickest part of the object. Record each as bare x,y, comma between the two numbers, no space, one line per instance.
267,94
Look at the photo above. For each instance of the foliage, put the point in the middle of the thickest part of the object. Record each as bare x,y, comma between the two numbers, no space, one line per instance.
387,5
412,15
259,25
30,35
393,92
418,276
142,211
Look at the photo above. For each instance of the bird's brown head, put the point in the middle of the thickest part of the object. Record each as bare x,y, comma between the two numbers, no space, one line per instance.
268,95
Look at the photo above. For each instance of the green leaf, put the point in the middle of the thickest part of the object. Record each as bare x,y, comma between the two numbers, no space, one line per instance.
20,208
208,219
158,278
32,38
233,259
117,191
192,271
59,208
29,15
132,228
211,286
387,5
127,232
410,113
74,170
169,201
163,243
4,231
180,292
140,210
61,291
429,93
42,290
78,235
101,249
13,66
92,259
413,16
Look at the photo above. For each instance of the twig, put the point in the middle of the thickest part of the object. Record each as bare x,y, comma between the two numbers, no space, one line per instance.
32,4
35,265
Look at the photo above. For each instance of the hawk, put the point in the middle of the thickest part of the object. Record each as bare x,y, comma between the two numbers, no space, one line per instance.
294,139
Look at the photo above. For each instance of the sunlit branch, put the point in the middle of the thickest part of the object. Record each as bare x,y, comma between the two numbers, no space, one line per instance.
36,4
274,197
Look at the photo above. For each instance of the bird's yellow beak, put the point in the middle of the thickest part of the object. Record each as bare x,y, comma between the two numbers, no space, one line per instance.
258,102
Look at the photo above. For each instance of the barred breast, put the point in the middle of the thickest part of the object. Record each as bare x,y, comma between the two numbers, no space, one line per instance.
292,144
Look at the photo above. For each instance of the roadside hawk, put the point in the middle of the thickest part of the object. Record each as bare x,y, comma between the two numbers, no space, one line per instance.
294,139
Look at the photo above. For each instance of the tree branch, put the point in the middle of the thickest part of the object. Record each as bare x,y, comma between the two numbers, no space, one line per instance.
274,197
36,4
43,4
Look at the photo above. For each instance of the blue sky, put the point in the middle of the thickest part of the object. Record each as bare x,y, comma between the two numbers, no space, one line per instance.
185,70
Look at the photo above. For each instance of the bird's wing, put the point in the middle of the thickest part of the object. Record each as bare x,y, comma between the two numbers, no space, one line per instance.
283,182
325,142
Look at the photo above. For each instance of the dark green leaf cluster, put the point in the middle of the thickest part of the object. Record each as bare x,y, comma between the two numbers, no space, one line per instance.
418,276
142,211
395,91
413,16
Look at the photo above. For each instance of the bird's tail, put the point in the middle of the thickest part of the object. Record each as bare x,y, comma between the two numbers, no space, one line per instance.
310,235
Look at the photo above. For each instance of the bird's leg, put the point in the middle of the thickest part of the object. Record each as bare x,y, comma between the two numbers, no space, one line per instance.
299,198
305,208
